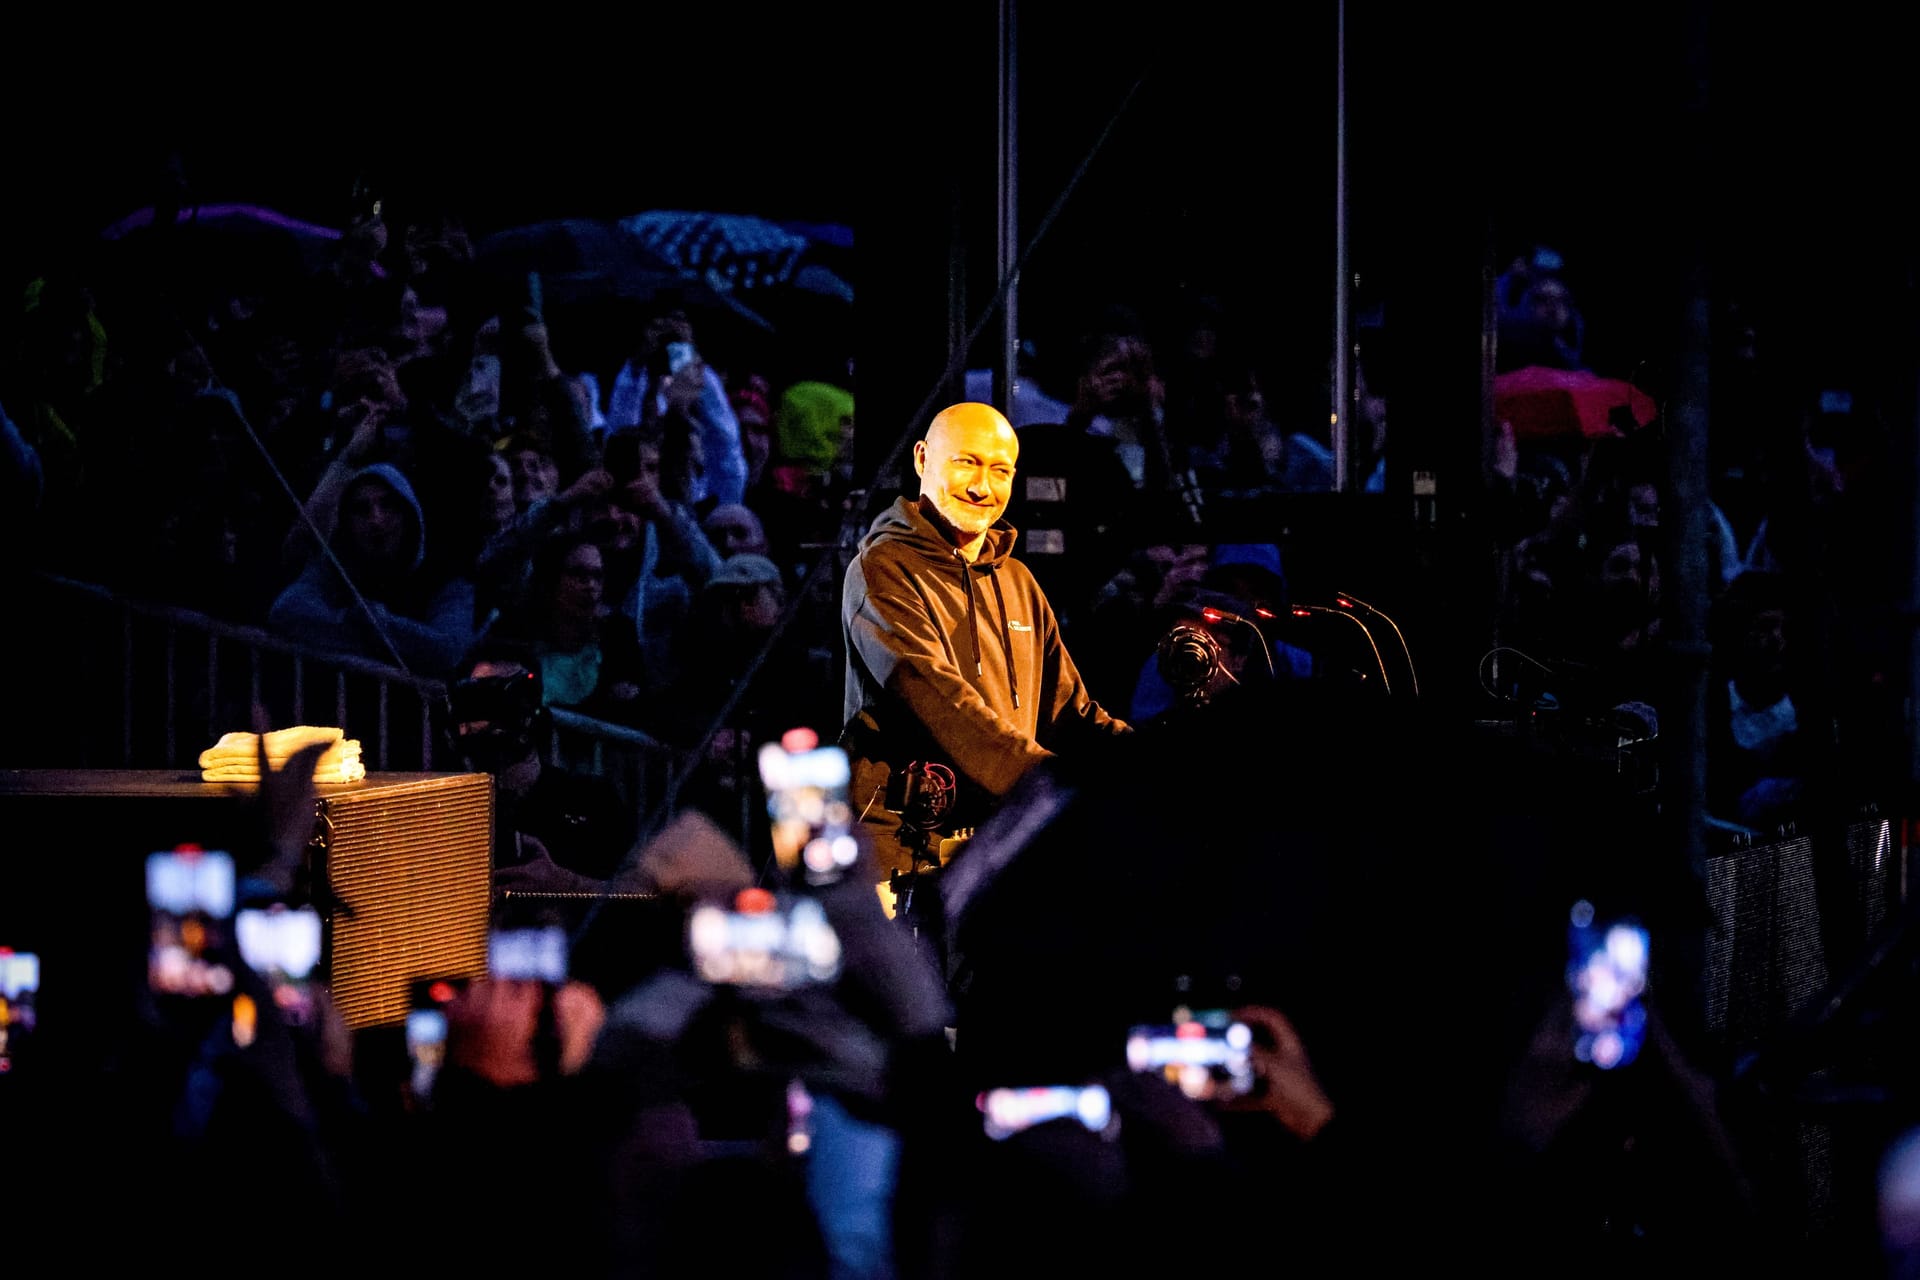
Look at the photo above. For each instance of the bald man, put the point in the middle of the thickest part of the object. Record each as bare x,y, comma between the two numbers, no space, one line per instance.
954,658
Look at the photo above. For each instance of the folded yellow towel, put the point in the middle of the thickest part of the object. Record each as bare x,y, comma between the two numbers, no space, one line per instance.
332,758
236,756
351,771
281,744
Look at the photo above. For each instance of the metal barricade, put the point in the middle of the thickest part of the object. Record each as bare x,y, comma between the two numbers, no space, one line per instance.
181,679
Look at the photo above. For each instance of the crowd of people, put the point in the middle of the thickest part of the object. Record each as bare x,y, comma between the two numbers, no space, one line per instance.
640,544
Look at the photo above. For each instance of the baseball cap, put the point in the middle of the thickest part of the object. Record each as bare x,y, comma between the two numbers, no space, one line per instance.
746,569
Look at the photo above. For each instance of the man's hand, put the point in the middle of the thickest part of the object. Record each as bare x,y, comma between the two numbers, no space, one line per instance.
288,807
1284,1083
537,872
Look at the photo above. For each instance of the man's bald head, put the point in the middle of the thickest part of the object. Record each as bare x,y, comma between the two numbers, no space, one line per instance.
966,465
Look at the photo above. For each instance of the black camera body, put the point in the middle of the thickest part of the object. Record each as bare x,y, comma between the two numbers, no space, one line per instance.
513,709
499,700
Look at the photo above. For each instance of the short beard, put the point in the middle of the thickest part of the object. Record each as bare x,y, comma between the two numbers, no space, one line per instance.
952,526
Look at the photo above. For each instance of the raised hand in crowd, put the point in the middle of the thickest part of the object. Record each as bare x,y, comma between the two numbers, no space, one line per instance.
1285,1086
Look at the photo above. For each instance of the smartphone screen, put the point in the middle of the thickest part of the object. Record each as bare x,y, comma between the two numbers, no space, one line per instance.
19,991
426,1032
1207,1054
765,942
535,954
811,819
190,899
1607,978
1006,1112
282,945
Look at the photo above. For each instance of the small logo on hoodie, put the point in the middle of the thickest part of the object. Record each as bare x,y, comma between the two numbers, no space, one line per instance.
1018,626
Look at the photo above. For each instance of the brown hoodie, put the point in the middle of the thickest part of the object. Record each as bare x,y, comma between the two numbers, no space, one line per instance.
952,663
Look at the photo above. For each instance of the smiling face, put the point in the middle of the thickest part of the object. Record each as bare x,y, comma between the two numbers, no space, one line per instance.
966,466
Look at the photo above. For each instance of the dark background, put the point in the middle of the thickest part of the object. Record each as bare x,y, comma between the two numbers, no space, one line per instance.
1166,153
1468,135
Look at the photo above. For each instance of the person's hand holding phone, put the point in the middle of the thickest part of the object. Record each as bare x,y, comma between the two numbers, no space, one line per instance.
683,387
1285,1085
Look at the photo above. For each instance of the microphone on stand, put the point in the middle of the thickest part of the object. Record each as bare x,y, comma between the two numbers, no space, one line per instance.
1308,610
1348,600
1212,614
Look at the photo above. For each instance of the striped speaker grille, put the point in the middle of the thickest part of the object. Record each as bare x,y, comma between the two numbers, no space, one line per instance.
411,864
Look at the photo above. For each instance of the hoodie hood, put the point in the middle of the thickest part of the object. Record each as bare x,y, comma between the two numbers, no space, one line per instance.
908,523
806,426
396,480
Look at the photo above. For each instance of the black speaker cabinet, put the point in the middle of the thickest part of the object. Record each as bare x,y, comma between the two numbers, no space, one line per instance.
407,856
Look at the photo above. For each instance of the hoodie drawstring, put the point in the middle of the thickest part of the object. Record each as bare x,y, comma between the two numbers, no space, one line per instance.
1000,600
973,616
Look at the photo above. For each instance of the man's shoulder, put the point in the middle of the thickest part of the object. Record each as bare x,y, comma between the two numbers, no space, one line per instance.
883,560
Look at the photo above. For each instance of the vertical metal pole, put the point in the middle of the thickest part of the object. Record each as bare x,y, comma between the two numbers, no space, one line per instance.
172,729
1007,239
212,729
1343,468
1684,780
126,688
1906,816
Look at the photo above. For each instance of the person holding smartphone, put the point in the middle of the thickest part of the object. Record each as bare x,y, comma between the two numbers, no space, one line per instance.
665,356
558,829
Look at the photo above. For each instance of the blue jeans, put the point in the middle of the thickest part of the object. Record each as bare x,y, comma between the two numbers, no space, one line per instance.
852,1169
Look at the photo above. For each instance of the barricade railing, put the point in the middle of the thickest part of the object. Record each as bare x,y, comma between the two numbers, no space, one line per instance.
180,679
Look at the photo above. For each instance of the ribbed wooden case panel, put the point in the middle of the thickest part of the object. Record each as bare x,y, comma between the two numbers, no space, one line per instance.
412,864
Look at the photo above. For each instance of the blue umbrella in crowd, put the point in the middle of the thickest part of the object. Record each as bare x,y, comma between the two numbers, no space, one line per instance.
591,261
771,265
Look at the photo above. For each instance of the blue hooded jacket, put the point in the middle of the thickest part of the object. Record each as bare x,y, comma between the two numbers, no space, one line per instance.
430,625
